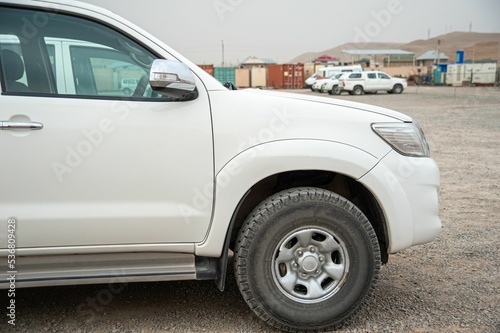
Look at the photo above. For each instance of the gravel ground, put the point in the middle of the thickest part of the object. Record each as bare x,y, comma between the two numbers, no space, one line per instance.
450,285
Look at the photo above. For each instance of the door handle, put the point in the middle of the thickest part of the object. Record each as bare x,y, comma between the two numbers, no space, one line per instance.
17,125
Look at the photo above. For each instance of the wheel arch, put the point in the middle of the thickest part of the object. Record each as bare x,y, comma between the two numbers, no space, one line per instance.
338,183
358,87
267,169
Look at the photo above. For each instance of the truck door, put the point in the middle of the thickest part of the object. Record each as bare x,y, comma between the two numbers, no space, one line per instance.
92,164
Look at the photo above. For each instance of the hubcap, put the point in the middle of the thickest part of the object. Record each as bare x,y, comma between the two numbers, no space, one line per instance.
310,265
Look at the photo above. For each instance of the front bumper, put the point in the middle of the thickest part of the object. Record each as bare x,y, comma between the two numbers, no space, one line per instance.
407,189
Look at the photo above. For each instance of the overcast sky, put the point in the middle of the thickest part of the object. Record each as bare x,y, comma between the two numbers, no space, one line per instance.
284,29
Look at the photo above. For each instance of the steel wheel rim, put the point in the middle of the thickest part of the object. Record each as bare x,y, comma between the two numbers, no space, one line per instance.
310,265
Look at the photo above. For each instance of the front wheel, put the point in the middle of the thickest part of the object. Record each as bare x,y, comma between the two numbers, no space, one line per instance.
336,90
306,259
398,89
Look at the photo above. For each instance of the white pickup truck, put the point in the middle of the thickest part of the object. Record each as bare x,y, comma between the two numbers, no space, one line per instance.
372,82
312,194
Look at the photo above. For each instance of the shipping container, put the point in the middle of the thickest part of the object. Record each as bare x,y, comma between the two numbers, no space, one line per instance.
482,74
286,76
293,76
455,75
242,77
208,68
275,76
225,74
298,80
258,77
309,70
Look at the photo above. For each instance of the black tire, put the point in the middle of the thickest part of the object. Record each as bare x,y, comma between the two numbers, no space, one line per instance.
358,90
306,259
397,89
390,91
336,90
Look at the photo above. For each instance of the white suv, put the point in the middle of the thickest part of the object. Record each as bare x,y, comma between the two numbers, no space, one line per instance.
372,82
311,194
318,84
331,86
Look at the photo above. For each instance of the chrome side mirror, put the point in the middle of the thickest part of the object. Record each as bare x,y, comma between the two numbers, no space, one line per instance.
172,79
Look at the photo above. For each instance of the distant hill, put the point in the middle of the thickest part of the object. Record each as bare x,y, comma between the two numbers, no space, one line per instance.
337,51
477,46
485,46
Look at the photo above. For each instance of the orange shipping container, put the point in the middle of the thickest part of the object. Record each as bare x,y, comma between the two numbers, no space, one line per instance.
275,76
285,76
208,68
298,76
293,76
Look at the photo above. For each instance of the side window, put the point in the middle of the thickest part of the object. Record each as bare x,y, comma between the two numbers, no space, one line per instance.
71,56
355,76
13,71
104,72
371,75
383,76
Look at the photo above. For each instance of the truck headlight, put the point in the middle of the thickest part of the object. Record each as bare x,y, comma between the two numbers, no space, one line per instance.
406,138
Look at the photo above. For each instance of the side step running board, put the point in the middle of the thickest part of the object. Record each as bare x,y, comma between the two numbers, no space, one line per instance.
39,271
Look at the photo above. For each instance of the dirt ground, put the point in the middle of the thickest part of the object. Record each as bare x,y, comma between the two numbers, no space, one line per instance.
449,285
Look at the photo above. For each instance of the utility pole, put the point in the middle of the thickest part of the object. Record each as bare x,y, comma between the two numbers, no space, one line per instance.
222,65
436,59
436,56
439,43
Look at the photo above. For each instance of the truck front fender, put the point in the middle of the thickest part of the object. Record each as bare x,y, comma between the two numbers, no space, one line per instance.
246,169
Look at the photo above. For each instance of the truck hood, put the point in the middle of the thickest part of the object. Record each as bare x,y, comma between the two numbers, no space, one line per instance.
333,101
252,118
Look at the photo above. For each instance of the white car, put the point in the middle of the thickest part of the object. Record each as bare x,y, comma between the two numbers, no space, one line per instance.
331,85
128,85
311,194
326,72
318,84
372,82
